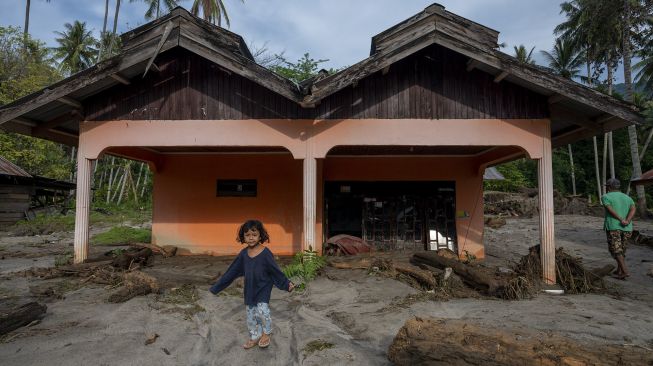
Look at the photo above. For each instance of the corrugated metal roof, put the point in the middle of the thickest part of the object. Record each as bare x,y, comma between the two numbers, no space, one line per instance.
646,178
9,168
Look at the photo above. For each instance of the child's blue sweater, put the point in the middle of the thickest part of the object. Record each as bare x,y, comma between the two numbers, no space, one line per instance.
260,272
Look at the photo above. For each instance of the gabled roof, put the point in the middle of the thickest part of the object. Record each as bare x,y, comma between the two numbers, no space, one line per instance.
576,111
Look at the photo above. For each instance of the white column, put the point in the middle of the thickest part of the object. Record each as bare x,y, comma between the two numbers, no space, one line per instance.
310,207
547,237
84,170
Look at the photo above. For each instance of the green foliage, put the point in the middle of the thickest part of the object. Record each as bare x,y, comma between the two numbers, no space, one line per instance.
212,11
122,235
44,225
62,260
305,266
523,55
316,346
76,50
519,174
24,65
36,156
305,68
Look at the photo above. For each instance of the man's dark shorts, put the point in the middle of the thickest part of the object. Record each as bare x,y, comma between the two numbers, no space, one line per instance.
617,242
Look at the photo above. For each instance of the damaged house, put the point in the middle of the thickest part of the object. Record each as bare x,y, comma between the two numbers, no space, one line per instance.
392,149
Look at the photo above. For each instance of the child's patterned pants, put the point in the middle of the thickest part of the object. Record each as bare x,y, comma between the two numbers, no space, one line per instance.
258,320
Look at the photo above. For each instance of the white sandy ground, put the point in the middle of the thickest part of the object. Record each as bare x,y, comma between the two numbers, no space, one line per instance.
344,307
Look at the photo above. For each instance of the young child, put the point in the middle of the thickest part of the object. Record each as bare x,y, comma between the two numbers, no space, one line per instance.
257,264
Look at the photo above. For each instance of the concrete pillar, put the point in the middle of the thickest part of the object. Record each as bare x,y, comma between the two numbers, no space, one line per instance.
547,236
84,170
310,207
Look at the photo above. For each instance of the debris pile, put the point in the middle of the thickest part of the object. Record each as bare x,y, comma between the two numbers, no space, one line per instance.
346,245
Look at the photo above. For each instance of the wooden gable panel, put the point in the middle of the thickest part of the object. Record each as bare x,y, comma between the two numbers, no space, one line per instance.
188,86
433,83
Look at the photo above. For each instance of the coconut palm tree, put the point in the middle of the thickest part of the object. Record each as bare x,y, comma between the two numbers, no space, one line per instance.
76,48
523,55
28,3
104,30
154,7
212,11
565,59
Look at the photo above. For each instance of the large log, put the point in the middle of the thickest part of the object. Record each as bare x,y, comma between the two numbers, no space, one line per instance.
430,341
21,316
475,277
424,277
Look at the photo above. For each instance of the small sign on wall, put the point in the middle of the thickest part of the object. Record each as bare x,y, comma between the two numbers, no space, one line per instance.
236,188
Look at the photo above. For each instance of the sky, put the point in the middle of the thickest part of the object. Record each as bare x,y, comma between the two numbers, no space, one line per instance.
337,30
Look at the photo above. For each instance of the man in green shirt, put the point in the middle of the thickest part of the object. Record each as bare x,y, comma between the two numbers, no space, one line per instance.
619,212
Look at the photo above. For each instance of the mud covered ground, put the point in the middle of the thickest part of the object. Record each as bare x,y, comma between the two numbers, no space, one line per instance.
344,316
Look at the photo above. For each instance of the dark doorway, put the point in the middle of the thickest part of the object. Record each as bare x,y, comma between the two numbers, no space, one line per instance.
393,215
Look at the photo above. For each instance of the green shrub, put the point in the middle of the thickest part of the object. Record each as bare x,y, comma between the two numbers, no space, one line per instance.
44,225
304,266
122,235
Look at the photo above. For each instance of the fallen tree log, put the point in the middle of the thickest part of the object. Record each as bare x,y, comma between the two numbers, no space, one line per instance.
424,277
167,251
21,316
475,277
127,258
362,263
430,341
134,284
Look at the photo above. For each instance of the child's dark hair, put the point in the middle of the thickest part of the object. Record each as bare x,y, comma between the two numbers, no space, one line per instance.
249,225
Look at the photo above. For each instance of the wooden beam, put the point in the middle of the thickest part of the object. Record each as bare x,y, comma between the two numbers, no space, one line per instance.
385,70
560,113
119,78
71,102
556,98
472,64
164,38
501,76
66,117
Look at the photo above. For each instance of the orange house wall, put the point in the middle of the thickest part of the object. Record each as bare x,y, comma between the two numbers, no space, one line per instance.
188,214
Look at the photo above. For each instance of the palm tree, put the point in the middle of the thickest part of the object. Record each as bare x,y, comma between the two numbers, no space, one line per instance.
212,11
115,25
154,7
76,48
644,67
27,6
565,59
524,56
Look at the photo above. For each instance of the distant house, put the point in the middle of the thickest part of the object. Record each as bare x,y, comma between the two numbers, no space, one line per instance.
392,149
19,191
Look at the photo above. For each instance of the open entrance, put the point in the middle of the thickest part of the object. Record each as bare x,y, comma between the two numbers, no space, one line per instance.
393,215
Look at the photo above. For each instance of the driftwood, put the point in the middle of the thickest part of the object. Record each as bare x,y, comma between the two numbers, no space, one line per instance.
21,316
126,259
166,251
432,341
473,276
424,277
362,263
134,284
83,267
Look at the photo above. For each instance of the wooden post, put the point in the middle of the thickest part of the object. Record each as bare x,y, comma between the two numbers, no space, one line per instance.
84,170
310,183
545,185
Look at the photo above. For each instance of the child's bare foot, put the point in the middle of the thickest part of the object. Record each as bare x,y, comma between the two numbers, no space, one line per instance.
264,341
250,343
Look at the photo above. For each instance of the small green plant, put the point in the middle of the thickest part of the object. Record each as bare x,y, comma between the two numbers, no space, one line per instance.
469,257
304,266
62,260
122,235
44,224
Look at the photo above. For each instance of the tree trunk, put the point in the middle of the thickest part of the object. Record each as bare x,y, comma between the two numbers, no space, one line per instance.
20,317
611,64
140,174
104,29
26,29
110,180
158,3
632,129
596,166
115,26
133,186
573,173
605,161
144,184
124,182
